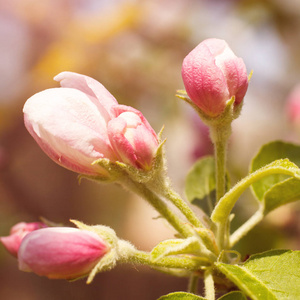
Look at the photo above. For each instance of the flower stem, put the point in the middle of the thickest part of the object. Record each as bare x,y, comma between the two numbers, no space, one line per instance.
209,285
183,207
219,135
246,227
179,262
159,206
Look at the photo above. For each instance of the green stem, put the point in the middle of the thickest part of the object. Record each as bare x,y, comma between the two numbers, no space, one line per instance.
220,157
209,285
183,207
219,135
246,227
159,206
193,284
179,262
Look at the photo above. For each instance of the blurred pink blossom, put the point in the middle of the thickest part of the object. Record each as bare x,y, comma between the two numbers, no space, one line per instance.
293,107
17,233
212,74
82,122
61,252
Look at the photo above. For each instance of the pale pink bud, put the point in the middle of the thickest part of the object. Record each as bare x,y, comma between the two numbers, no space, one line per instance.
16,235
293,107
69,123
132,137
61,252
212,75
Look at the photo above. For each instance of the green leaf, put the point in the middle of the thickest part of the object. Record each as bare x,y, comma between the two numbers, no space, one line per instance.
181,296
200,184
226,203
236,295
277,189
272,275
267,154
282,193
174,247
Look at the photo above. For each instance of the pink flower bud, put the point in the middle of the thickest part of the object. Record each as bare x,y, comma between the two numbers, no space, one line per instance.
17,233
70,124
61,252
132,137
212,75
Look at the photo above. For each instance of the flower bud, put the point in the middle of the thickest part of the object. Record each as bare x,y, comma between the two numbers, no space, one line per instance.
70,124
61,252
212,75
132,137
17,233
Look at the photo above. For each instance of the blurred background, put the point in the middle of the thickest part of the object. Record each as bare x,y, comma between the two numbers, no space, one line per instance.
135,49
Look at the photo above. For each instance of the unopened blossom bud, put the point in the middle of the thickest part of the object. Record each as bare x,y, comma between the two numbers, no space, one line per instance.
61,252
212,74
16,235
71,125
132,137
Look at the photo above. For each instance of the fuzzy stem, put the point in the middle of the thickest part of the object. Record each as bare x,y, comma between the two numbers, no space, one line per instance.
159,206
246,227
209,285
219,136
183,207
144,258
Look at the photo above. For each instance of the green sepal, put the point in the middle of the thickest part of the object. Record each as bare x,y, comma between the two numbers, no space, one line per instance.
231,111
272,275
236,295
181,296
200,184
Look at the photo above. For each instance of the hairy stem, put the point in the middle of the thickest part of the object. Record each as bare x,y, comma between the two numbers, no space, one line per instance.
209,285
183,207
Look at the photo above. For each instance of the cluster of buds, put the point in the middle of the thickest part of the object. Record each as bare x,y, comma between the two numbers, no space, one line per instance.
83,128
81,122
55,252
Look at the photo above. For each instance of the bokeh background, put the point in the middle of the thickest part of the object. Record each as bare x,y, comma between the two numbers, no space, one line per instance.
135,49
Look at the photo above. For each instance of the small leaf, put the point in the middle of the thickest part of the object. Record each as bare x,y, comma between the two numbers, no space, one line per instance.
272,275
268,153
282,193
226,203
174,247
181,296
236,295
200,185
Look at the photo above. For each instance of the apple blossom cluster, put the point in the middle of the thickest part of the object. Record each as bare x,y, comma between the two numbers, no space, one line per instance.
81,122
83,128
